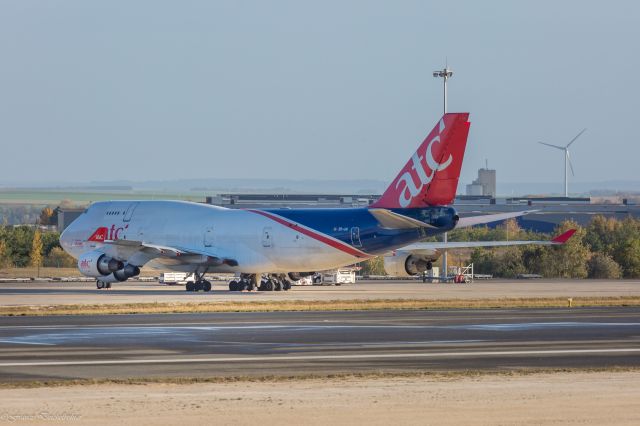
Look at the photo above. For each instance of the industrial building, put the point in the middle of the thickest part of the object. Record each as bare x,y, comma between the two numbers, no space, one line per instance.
485,184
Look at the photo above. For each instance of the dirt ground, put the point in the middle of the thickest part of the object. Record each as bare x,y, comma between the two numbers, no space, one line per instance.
597,398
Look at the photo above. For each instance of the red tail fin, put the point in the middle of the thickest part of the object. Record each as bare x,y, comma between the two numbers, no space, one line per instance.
430,177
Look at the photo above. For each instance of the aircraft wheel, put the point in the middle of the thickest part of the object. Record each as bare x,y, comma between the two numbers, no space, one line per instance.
286,286
277,285
190,286
233,286
107,285
268,285
198,286
206,286
99,285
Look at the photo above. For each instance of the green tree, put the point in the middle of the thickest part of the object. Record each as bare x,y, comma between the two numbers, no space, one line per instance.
50,240
19,241
373,266
510,262
627,254
601,234
58,258
5,260
603,266
570,259
484,261
35,256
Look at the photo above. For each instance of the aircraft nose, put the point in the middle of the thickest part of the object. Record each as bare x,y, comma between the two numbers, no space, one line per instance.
64,238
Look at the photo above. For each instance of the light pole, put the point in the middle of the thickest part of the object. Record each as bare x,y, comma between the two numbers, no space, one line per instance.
445,74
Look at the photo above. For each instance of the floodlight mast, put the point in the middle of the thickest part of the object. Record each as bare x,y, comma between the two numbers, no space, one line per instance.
445,74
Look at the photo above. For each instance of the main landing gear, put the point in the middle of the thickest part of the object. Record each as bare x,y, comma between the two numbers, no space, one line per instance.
267,282
200,284
101,284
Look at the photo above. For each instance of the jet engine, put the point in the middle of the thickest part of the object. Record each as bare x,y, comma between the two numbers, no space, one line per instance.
127,272
406,264
97,264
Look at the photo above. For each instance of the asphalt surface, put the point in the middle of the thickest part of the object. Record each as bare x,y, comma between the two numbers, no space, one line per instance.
60,293
288,343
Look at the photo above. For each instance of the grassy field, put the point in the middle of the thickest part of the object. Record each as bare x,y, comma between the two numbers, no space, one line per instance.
317,305
53,197
43,272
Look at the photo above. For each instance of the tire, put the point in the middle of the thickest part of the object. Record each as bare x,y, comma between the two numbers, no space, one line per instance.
286,286
198,286
190,286
277,286
206,286
242,285
268,285
99,285
233,286
108,285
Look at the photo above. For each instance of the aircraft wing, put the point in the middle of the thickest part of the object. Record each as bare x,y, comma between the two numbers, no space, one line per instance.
465,222
143,252
438,246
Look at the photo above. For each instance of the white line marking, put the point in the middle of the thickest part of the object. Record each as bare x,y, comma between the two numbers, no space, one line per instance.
17,342
317,357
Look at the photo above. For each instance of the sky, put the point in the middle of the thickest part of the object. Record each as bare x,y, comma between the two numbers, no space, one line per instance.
146,90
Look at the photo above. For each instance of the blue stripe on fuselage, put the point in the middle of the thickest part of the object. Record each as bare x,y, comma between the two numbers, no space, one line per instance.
347,224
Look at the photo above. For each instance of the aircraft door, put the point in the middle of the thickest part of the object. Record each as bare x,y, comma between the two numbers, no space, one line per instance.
355,237
267,237
129,212
209,239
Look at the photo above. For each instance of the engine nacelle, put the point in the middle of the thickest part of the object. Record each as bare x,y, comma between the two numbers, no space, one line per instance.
295,276
127,272
405,264
97,264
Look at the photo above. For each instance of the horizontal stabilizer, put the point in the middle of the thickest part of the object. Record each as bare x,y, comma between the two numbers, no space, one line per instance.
391,220
465,222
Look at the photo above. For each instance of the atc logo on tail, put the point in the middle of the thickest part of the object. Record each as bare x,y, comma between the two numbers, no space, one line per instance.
430,177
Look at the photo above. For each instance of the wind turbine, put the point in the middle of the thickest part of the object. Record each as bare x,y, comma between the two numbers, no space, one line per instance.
567,160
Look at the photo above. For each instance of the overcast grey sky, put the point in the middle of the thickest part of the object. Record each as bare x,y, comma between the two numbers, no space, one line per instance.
327,89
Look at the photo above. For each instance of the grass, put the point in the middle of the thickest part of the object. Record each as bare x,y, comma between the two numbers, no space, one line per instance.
375,375
317,305
52,272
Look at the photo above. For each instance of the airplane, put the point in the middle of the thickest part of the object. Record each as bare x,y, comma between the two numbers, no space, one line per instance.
267,248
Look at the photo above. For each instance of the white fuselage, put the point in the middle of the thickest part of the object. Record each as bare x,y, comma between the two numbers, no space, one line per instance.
258,243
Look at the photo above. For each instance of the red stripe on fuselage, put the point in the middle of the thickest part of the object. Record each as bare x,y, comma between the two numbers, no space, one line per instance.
337,244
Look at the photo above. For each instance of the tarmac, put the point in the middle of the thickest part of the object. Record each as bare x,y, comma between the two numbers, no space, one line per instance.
303,343
60,293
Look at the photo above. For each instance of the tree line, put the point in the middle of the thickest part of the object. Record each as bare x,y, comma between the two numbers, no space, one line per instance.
606,248
23,246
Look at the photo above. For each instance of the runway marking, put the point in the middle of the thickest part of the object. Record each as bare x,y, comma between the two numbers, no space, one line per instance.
17,342
318,357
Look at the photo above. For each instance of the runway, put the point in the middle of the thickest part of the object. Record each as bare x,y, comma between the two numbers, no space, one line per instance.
60,293
290,343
